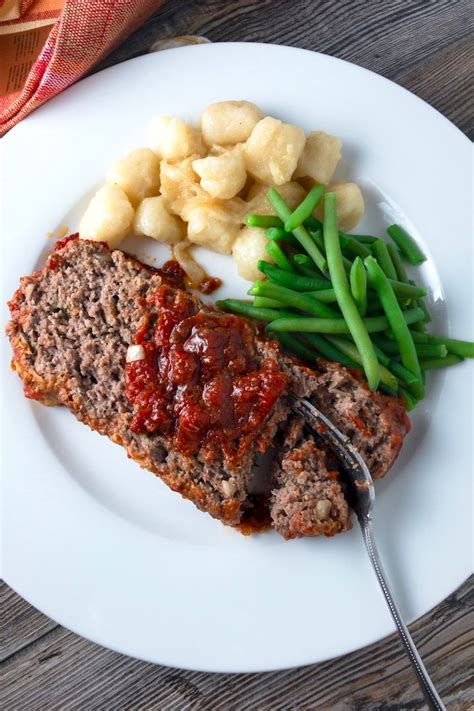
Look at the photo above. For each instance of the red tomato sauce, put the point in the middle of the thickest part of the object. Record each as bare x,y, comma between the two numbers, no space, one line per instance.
201,383
209,285
63,242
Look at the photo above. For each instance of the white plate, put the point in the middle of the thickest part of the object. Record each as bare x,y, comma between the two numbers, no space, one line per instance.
105,548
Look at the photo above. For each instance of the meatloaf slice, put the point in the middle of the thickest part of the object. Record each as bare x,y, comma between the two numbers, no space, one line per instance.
308,499
375,423
71,326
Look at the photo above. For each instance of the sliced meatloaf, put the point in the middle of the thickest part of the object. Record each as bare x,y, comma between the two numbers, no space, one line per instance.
307,499
199,394
375,423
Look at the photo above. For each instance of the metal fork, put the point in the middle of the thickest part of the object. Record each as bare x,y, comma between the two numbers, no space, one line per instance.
361,498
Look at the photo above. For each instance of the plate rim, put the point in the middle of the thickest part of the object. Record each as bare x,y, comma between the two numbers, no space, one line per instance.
207,48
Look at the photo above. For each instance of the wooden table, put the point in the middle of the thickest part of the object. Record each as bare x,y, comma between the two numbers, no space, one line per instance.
426,47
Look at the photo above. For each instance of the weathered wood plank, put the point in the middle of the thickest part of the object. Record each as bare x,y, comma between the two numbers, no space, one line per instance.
423,46
20,623
63,671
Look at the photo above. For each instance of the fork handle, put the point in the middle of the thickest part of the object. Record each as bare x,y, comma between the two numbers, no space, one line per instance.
429,692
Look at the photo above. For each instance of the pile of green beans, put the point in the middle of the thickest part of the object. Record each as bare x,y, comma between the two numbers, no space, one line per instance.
346,297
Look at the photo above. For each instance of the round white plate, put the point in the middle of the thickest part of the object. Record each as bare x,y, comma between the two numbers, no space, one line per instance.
104,547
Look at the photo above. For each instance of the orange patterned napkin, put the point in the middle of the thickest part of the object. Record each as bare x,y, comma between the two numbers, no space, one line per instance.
84,33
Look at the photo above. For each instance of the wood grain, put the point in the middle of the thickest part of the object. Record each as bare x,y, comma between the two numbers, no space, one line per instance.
425,46
62,671
20,623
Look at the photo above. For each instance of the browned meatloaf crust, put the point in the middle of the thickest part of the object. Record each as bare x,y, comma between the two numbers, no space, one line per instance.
71,324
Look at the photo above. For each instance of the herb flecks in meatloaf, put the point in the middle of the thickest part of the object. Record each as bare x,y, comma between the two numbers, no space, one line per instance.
71,325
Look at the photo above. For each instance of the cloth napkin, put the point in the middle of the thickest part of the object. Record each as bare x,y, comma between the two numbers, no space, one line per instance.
84,33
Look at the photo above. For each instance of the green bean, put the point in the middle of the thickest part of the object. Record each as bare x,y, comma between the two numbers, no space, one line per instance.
420,302
301,233
306,324
381,254
404,375
395,317
354,247
381,356
279,257
424,350
347,264
263,220
412,315
464,349
294,345
311,223
372,297
397,262
306,271
344,298
304,268
278,233
351,351
422,337
373,309
305,208
364,239
358,283
262,302
317,237
344,240
431,350
292,281
388,391
406,245
387,345
419,326
245,308
302,259
326,296
410,291
329,351
431,363
410,401
288,297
